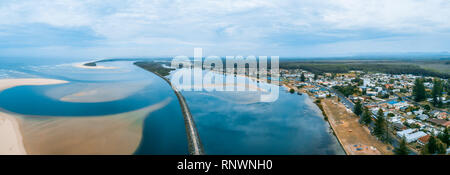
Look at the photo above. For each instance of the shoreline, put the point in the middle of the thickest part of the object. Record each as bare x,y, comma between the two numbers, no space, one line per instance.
84,66
354,138
10,130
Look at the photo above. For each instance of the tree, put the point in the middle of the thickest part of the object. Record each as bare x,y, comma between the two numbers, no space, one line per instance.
441,148
430,147
419,90
291,91
445,137
436,92
434,146
366,118
302,77
402,149
315,77
380,123
358,108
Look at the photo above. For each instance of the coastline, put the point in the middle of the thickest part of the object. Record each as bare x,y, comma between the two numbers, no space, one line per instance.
10,132
354,138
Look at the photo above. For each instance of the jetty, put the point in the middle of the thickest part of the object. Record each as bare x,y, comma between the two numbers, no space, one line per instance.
194,143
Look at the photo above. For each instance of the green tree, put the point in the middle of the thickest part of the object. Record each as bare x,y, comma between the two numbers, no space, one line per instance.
403,148
419,90
434,146
430,147
358,108
366,117
302,77
436,92
445,137
380,124
315,77
441,148
291,91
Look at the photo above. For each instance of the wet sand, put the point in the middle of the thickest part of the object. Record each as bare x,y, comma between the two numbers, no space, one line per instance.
111,134
45,135
83,66
10,135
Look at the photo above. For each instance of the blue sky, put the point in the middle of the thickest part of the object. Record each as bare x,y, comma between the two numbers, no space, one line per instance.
303,28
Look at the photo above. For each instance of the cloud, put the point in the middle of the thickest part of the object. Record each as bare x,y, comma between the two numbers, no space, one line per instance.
223,26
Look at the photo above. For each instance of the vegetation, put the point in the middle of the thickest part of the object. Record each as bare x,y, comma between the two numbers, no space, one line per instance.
419,90
154,67
93,64
402,149
434,146
436,93
358,108
444,137
366,117
346,90
381,128
291,91
318,67
302,77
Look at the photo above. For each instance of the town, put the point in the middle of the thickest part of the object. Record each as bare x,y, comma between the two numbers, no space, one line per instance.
408,113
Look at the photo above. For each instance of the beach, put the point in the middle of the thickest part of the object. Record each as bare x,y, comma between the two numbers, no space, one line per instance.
10,134
43,135
83,66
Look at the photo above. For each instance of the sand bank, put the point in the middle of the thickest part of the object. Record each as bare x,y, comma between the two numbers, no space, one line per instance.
108,134
83,66
96,93
9,83
10,135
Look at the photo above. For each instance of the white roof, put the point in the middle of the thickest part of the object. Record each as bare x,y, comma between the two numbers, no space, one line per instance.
405,132
414,136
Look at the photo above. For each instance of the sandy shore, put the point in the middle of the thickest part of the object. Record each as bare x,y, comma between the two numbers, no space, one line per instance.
354,137
95,135
9,83
10,135
83,66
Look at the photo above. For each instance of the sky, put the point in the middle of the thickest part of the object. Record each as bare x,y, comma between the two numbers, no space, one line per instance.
287,28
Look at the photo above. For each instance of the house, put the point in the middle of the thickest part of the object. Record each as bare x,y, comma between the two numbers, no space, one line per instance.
414,136
399,126
423,140
439,122
405,132
422,117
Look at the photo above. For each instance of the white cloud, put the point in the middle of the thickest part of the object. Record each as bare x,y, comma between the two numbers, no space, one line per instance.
227,23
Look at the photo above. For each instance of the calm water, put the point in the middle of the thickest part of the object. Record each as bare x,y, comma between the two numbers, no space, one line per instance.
237,123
